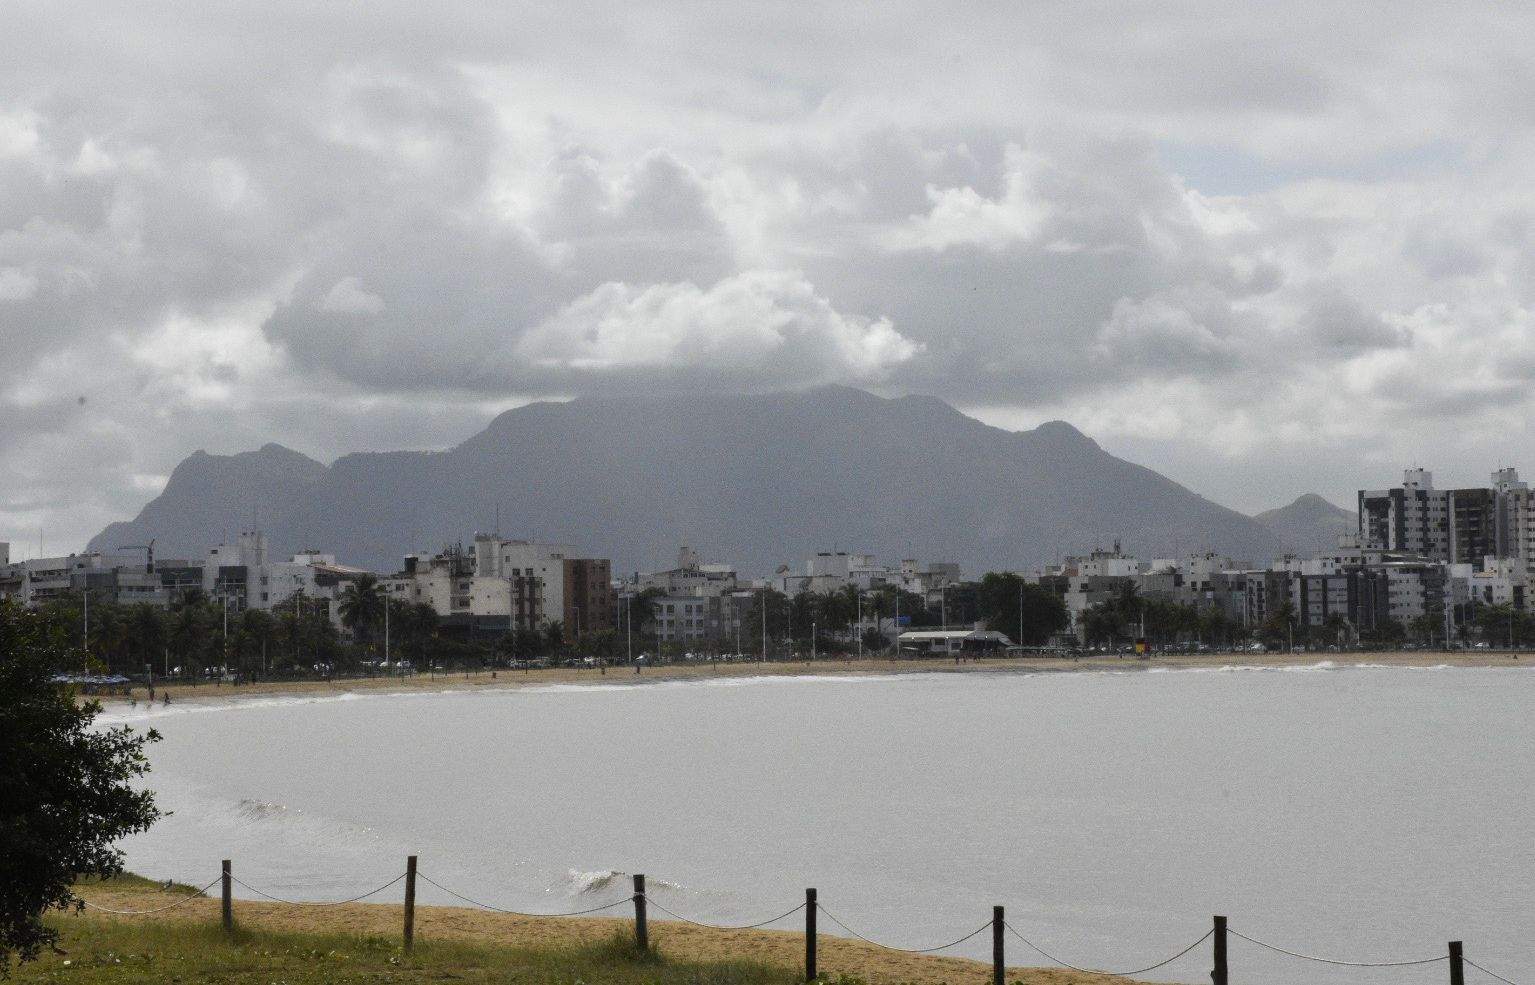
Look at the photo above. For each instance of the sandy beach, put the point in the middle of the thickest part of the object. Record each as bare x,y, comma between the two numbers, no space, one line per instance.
622,676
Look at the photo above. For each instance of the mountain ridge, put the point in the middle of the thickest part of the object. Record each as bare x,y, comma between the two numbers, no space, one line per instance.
758,479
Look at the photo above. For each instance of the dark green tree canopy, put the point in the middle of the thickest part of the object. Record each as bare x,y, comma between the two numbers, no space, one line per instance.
66,788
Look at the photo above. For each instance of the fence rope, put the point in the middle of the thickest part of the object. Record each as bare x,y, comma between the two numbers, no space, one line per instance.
160,909
1490,974
1099,971
519,913
1334,961
906,950
715,926
338,902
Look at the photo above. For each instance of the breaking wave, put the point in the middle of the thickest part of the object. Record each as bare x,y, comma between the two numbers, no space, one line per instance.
579,883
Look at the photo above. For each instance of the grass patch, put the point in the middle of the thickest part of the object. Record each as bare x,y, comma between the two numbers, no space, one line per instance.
121,952
130,882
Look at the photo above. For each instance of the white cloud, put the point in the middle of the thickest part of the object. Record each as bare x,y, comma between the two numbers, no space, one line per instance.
964,217
16,284
348,297
771,323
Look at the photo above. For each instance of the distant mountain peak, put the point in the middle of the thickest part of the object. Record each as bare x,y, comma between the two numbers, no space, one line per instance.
1063,434
1309,503
1308,524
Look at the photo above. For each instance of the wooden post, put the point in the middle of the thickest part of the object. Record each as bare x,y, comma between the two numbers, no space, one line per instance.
410,903
810,908
998,962
1457,964
229,906
641,931
1218,973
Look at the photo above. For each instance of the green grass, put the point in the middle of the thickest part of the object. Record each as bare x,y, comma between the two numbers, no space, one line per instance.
129,881
122,953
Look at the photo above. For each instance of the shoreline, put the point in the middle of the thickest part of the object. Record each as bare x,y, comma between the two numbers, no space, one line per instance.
622,676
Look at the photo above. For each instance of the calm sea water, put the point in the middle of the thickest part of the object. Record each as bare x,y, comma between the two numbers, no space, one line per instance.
1361,813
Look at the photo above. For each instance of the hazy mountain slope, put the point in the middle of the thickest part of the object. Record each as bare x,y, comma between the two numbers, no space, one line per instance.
209,497
1309,524
757,480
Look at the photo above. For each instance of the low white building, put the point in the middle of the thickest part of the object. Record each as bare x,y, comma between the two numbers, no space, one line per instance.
947,642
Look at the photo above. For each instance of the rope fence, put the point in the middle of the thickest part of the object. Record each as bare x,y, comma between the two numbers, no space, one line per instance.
1489,974
519,913
1099,971
339,902
906,950
159,909
1342,964
1217,935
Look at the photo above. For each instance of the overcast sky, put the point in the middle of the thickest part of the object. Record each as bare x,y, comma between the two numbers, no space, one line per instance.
1265,252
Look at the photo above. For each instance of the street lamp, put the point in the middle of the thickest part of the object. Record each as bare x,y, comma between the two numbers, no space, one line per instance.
85,642
858,628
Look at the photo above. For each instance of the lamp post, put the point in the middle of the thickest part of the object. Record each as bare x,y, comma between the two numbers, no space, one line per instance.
1019,640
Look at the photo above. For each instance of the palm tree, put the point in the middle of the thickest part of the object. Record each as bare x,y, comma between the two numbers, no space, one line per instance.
362,605
554,636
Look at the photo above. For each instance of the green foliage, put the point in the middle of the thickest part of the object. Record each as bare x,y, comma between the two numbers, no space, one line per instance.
1120,619
778,613
102,952
362,606
1388,631
1028,614
68,792
1500,625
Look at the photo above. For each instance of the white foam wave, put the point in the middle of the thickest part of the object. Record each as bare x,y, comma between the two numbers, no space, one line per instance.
579,883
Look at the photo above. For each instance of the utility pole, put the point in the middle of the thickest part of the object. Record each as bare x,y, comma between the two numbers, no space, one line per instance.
858,629
1019,640
764,624
86,641
629,623
812,641
386,626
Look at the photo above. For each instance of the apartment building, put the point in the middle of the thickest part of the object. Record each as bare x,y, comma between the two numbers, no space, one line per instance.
109,578
589,598
467,602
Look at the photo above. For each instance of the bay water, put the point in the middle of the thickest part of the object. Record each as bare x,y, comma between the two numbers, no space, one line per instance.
1352,812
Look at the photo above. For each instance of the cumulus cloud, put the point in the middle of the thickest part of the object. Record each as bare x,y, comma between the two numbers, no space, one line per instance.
770,326
348,297
16,284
